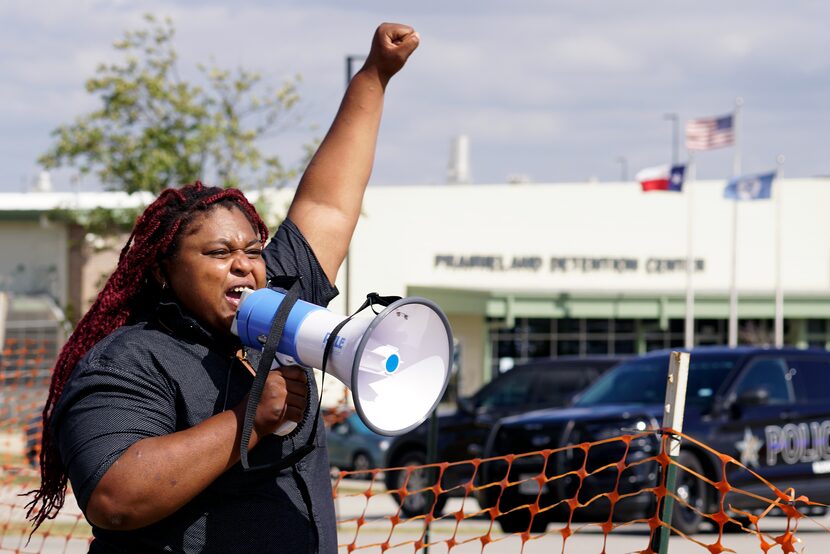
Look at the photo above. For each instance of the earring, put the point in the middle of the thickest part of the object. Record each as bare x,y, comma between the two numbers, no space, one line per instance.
164,285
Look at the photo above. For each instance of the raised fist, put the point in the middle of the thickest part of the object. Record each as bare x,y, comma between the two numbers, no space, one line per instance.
391,47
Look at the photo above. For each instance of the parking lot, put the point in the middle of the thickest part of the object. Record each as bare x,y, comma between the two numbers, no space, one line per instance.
472,534
812,536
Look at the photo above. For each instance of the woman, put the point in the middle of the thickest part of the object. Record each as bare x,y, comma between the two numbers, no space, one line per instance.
147,400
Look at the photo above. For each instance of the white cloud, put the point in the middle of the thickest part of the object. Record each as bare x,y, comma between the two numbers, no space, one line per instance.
541,87
589,53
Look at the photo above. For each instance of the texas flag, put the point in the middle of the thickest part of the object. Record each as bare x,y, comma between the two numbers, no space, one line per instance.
663,177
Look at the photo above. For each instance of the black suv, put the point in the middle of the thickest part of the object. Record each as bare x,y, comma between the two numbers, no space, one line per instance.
768,408
547,383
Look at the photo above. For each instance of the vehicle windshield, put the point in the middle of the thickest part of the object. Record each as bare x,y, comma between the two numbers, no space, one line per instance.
643,381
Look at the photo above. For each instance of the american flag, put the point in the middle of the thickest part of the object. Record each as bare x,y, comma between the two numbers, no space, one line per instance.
710,132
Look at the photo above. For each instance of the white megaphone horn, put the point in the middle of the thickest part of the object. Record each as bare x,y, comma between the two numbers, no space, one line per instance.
397,364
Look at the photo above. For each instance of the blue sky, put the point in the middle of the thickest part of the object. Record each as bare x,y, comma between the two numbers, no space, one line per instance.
553,91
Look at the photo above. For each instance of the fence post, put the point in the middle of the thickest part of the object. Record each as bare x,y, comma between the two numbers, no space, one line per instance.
432,453
673,419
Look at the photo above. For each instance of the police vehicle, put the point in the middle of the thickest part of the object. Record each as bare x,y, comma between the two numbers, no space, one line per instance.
767,408
461,432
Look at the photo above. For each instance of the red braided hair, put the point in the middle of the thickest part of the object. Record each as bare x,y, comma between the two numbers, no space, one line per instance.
130,288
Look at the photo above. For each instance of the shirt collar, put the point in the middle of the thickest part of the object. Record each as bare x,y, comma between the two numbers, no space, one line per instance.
173,317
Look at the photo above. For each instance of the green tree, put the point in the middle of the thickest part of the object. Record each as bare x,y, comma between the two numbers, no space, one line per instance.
154,130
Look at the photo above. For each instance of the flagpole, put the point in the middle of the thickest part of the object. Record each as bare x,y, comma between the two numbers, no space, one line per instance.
779,289
689,326
733,289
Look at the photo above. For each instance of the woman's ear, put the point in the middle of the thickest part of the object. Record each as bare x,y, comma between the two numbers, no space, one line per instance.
158,275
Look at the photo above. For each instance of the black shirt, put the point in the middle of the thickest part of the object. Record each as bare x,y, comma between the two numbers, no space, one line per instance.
166,373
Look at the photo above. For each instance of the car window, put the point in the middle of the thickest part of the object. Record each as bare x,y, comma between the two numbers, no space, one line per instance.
769,374
509,390
811,378
556,387
643,381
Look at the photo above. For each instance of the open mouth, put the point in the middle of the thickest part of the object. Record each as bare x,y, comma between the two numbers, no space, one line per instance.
234,294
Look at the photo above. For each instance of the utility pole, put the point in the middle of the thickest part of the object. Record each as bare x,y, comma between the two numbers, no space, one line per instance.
623,161
675,134
347,270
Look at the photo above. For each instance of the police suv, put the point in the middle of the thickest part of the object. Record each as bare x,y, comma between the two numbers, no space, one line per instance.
461,433
767,408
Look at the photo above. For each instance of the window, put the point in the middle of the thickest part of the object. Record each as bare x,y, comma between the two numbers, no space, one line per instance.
568,325
627,346
568,348
817,335
710,331
643,381
533,338
657,338
811,378
770,375
556,386
506,347
340,428
513,389
817,326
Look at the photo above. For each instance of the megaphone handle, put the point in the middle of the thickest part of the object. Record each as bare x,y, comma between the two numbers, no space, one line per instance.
264,366
286,428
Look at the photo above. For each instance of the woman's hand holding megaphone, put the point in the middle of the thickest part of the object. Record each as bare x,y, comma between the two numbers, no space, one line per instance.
283,402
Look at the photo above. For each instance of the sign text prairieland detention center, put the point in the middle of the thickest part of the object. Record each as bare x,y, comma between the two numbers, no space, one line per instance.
565,264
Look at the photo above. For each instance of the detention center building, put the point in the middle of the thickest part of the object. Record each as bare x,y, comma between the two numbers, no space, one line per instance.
522,270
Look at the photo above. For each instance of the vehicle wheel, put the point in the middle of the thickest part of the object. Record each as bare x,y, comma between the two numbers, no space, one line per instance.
420,503
361,462
693,491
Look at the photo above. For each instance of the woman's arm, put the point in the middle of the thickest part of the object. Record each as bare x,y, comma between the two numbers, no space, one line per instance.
156,476
329,197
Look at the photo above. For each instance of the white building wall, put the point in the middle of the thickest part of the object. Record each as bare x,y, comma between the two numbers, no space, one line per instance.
404,232
422,235
34,254
425,235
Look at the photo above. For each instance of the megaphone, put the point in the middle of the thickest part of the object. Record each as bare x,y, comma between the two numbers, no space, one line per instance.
397,364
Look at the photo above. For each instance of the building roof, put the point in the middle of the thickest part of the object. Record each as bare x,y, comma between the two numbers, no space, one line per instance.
46,201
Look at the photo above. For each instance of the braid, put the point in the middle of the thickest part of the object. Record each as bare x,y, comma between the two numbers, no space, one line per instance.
127,290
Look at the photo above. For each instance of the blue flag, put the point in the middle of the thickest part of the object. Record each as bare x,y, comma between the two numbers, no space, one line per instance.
750,187
676,178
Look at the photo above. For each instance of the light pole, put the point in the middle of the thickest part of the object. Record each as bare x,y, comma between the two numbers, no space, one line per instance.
349,61
623,161
675,135
347,263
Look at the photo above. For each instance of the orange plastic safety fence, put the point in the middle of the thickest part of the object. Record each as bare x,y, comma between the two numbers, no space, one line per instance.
517,499
370,516
590,491
68,532
25,369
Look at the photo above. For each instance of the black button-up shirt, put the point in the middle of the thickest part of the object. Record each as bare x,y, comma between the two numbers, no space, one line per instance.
166,373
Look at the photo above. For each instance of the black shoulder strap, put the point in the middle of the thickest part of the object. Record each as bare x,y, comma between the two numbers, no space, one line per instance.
268,353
